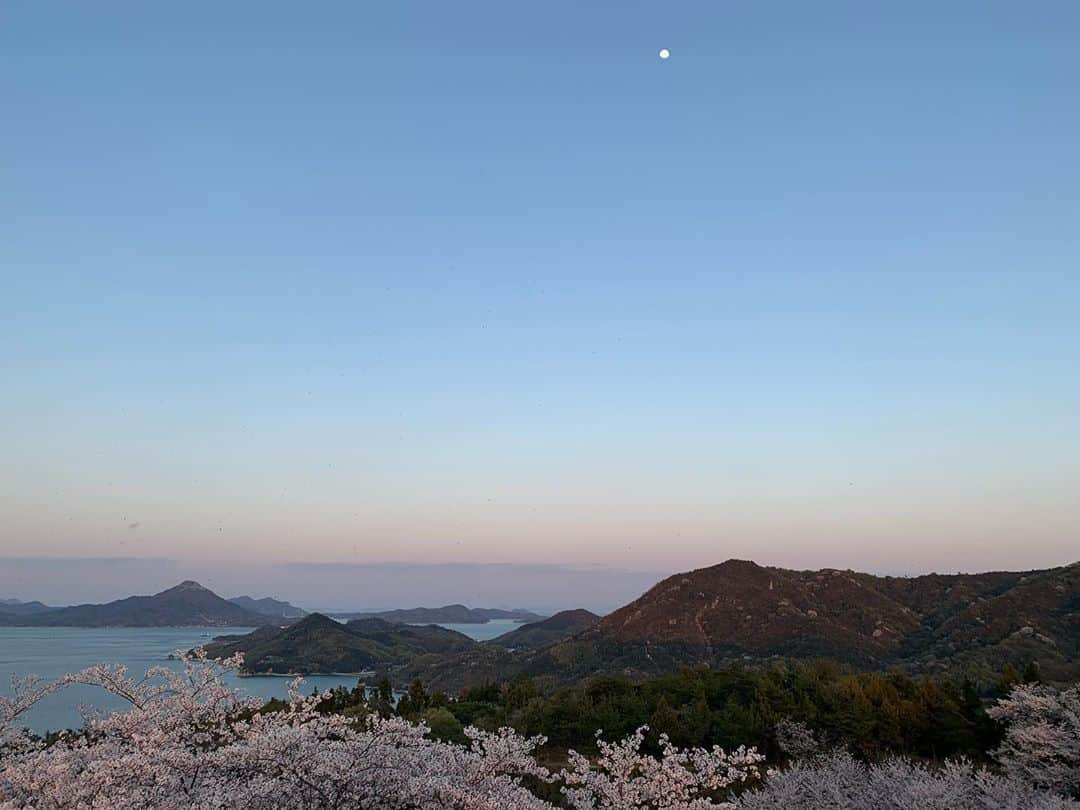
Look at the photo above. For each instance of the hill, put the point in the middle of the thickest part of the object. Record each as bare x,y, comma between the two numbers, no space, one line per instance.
447,614
186,604
269,607
739,611
14,607
318,645
539,634
742,610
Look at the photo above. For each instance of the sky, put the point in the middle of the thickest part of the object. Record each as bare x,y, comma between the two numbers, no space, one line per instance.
491,283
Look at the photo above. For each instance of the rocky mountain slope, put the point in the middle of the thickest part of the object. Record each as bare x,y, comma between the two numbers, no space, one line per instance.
741,611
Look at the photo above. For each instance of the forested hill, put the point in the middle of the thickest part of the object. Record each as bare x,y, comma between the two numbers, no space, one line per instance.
318,644
739,611
539,634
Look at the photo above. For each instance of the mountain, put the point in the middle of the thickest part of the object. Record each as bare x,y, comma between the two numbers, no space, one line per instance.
539,634
448,614
317,645
743,610
269,607
14,607
739,611
514,653
187,604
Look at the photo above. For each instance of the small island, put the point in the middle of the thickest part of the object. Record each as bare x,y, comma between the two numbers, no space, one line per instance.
319,645
447,614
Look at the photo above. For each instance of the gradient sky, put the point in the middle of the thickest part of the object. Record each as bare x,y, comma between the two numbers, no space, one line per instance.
490,282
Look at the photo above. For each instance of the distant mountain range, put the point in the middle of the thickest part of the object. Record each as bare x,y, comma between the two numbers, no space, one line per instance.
448,614
190,604
318,644
13,607
737,611
186,604
269,607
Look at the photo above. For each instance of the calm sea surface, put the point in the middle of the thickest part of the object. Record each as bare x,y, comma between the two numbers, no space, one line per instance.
484,632
54,651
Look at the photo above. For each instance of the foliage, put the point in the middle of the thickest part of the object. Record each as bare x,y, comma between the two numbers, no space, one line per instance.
187,740
625,778
320,644
190,741
443,725
841,782
874,714
1042,740
795,740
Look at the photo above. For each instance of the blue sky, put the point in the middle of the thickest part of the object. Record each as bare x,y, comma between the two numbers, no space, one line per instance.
490,282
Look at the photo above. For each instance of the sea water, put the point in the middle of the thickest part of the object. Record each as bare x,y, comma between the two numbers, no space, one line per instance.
51,652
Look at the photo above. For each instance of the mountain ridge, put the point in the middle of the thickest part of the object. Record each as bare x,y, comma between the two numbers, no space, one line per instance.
318,644
185,604
16,607
535,635
447,614
739,611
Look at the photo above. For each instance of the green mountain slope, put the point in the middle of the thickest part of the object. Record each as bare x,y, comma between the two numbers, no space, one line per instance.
317,644
539,634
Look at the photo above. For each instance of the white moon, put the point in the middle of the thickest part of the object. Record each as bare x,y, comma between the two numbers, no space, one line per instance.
664,53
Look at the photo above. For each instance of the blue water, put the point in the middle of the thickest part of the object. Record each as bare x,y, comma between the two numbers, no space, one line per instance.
483,632
51,652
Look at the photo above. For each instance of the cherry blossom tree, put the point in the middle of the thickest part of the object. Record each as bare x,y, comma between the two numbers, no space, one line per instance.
26,692
187,740
623,777
837,781
190,741
1042,736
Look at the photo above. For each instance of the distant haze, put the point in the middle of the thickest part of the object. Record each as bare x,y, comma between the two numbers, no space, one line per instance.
542,588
